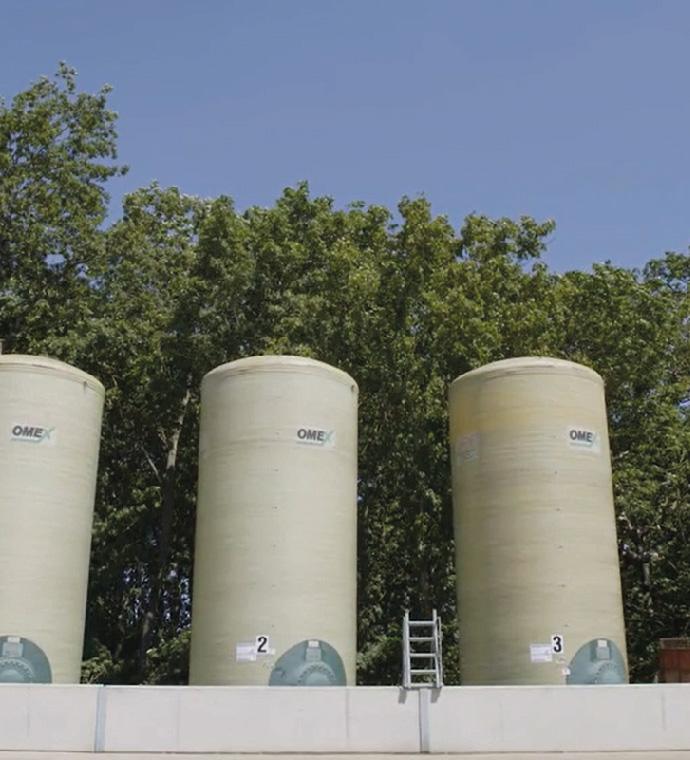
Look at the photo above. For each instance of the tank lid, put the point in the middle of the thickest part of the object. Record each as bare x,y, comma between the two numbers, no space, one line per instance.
530,365
278,363
26,363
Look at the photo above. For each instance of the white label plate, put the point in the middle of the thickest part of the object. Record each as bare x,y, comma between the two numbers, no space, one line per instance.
540,653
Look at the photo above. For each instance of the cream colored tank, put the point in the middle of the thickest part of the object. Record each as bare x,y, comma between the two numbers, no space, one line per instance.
50,429
274,594
539,594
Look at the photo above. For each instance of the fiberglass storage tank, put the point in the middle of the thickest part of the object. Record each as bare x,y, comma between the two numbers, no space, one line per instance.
50,429
539,594
275,570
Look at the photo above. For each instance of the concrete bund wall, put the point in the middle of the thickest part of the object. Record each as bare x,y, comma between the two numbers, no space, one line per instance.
259,719
48,718
561,718
341,720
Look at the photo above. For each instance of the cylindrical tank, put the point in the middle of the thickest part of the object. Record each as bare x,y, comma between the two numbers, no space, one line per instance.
539,594
50,428
275,573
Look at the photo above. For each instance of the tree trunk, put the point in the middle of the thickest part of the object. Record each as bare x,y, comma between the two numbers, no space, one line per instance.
167,481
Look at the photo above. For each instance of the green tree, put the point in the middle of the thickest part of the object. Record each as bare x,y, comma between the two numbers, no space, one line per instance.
633,329
144,346
56,151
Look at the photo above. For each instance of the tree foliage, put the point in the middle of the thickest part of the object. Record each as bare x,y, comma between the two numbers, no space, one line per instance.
403,301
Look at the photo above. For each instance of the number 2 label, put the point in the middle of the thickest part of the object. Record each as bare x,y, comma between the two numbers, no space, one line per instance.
262,645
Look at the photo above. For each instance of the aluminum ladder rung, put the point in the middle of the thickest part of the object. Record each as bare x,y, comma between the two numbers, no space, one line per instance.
421,638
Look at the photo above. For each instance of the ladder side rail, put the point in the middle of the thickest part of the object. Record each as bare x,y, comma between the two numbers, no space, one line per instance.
438,648
440,653
407,676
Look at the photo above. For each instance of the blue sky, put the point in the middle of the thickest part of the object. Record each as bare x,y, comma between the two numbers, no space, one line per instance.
577,111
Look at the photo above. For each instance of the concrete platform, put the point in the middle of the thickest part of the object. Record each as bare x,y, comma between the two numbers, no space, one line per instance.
612,722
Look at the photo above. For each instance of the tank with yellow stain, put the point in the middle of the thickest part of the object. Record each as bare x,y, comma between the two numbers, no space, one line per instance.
539,593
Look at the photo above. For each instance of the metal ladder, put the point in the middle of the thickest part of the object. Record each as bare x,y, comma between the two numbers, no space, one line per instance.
422,667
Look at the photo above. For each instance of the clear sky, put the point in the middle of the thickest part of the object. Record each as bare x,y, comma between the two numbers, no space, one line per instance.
577,111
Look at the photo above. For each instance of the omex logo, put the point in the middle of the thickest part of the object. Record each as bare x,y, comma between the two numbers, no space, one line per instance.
583,439
316,437
32,434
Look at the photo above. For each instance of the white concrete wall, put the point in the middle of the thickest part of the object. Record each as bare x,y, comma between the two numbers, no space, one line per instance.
561,718
259,719
340,720
48,718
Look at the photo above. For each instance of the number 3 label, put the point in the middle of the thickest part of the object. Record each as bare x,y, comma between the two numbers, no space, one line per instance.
557,643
